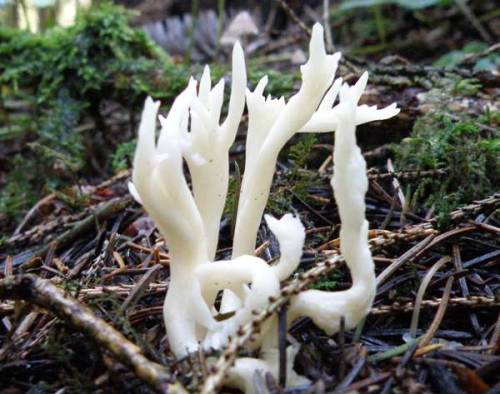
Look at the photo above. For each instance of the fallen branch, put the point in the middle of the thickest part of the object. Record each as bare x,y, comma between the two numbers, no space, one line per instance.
43,293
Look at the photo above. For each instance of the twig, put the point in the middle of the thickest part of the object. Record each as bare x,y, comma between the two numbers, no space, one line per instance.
462,5
43,293
221,7
354,388
470,302
395,351
396,185
421,291
282,346
457,262
408,174
379,237
294,17
32,211
326,25
140,287
494,341
352,374
474,57
396,307
439,314
194,20
341,335
492,202
407,256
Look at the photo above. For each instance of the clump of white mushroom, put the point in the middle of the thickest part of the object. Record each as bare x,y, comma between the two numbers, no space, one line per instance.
189,216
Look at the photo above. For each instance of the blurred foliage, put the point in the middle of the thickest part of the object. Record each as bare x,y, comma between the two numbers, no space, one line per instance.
470,155
490,62
57,139
100,54
420,31
280,84
18,193
123,156
443,89
407,4
62,78
373,28
465,86
49,161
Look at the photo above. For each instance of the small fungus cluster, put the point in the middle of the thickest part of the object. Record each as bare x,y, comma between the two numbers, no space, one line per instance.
188,215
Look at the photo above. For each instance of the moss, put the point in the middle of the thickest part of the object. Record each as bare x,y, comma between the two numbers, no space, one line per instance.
81,358
57,151
101,54
470,155
63,77
279,84
296,181
20,191
486,62
123,155
329,283
465,86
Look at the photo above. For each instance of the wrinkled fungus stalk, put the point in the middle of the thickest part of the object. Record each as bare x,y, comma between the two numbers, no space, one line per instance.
188,216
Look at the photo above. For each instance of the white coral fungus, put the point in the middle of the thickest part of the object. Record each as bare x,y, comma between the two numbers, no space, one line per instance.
189,216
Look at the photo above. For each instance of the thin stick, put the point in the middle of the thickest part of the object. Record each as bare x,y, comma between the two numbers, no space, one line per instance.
221,7
473,20
293,16
140,287
32,212
342,364
469,302
494,343
395,351
282,346
407,256
352,374
439,314
421,292
326,25
194,20
457,262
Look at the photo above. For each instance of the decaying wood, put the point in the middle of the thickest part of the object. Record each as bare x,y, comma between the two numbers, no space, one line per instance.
43,293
